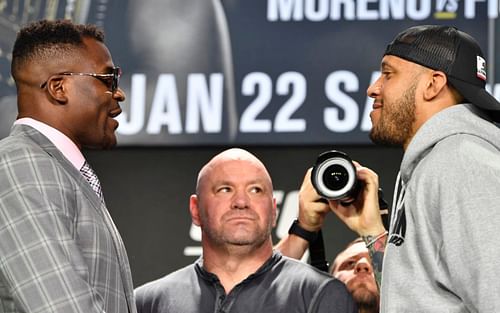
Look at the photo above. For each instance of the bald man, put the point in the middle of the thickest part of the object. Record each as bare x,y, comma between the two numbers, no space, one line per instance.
239,271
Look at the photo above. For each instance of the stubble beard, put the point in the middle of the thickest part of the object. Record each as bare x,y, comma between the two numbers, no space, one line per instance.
394,127
366,300
256,238
250,236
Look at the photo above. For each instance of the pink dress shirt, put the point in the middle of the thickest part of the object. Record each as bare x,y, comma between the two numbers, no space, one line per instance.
67,147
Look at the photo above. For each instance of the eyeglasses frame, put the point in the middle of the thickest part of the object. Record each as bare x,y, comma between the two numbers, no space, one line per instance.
115,75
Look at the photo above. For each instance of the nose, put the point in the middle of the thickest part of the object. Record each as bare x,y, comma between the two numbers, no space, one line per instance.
374,89
119,95
240,200
363,265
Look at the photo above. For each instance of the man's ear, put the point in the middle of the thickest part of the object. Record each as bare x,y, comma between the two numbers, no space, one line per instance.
435,85
275,212
56,88
194,210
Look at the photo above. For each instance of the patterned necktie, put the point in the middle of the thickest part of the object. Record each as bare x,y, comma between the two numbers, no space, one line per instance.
91,177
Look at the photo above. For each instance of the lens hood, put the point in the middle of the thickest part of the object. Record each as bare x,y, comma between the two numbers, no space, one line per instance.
334,176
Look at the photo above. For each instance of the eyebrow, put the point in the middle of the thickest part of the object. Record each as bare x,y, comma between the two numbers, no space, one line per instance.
107,70
385,64
251,182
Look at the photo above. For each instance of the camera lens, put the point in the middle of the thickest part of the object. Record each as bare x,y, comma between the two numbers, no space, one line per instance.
335,177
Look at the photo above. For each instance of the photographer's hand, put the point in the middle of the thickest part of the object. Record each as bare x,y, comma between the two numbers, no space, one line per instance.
363,216
312,208
312,212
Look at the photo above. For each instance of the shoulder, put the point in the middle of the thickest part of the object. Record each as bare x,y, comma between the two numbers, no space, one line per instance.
333,296
463,155
175,290
31,159
18,145
320,291
23,146
453,138
162,287
298,272
326,293
461,171
465,145
29,165
21,163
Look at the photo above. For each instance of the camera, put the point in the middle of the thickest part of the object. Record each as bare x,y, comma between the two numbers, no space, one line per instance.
334,177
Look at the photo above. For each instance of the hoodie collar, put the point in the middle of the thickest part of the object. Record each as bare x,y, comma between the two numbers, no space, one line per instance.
457,119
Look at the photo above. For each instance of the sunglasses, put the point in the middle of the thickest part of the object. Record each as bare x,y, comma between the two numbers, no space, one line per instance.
111,80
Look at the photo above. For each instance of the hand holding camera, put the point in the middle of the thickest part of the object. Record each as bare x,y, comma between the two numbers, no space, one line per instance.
334,176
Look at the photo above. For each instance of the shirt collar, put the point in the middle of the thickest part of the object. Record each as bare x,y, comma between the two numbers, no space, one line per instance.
67,147
275,258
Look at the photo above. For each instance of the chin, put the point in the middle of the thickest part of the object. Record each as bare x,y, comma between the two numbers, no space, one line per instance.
240,240
109,142
246,239
109,145
103,145
365,297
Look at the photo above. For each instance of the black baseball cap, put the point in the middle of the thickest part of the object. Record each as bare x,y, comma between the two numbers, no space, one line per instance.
457,54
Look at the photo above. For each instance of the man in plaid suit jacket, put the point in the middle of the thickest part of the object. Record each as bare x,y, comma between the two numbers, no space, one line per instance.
59,248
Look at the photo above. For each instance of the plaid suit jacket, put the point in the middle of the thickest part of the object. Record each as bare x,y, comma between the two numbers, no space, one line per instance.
59,248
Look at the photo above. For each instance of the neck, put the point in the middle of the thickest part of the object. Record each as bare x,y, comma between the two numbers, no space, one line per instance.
232,264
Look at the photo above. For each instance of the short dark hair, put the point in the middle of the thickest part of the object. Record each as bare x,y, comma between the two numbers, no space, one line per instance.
43,39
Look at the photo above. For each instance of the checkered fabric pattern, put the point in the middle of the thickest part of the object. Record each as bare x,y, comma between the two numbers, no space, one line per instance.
60,251
91,177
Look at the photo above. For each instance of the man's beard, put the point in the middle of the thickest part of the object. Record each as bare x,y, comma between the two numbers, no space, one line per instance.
394,126
366,299
255,237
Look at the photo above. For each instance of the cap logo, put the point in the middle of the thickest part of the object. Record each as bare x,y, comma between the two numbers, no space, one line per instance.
481,68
